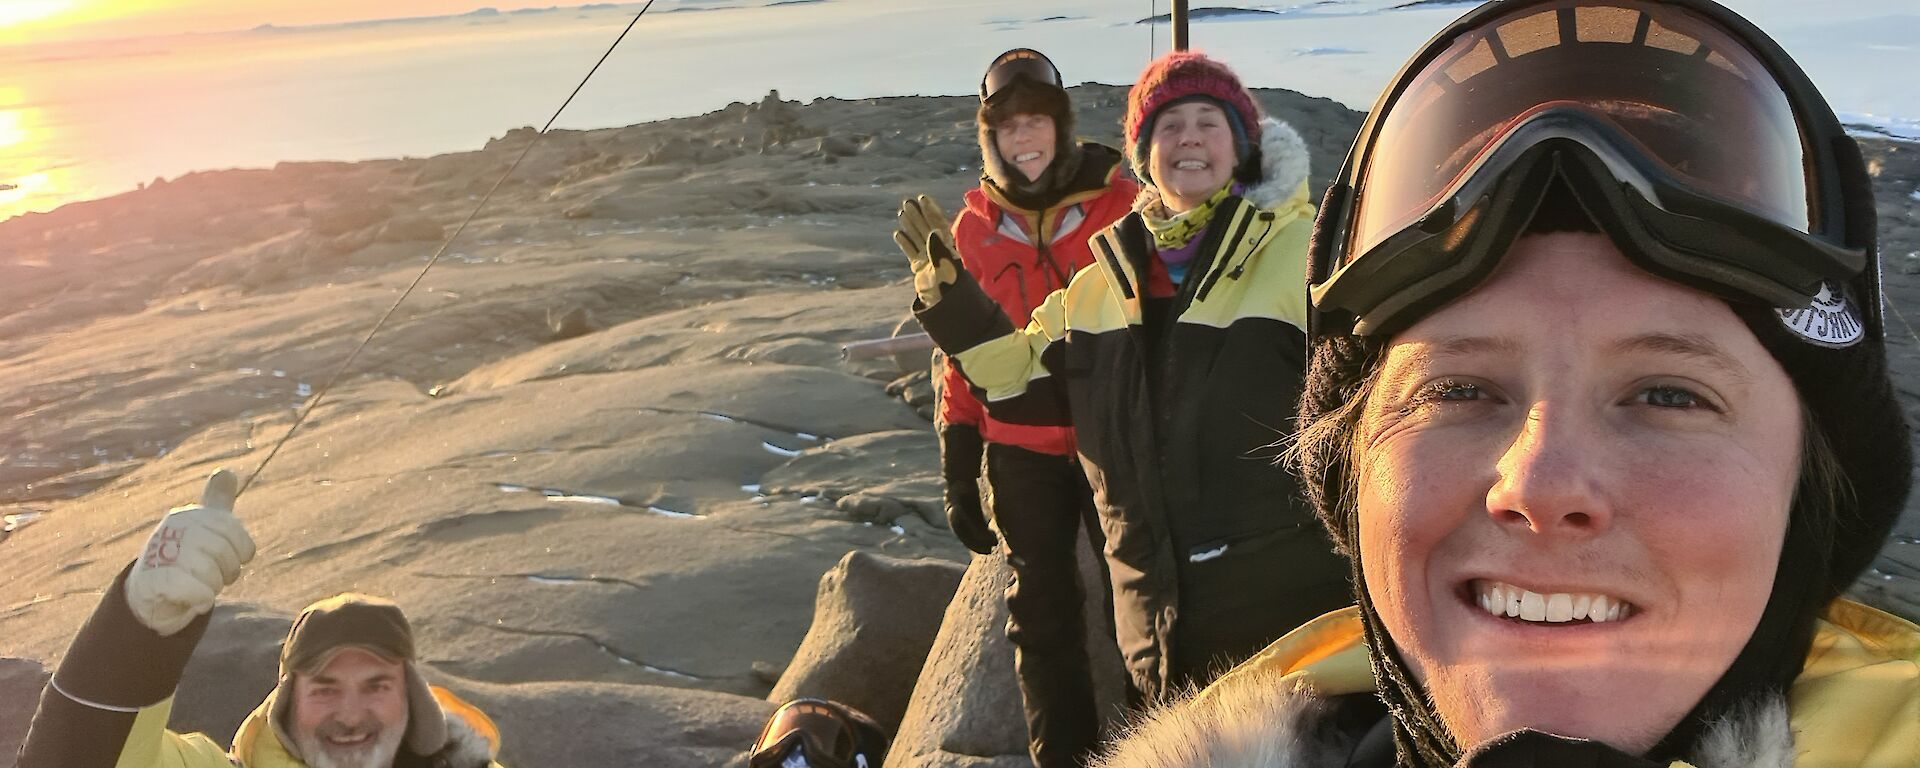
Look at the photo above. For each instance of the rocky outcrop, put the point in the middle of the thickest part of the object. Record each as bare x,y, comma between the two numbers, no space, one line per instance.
603,724
21,681
873,624
966,710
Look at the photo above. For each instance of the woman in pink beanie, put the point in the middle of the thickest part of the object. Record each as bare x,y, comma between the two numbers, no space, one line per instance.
1177,358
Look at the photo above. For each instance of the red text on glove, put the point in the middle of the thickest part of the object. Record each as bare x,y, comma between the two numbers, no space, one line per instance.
164,548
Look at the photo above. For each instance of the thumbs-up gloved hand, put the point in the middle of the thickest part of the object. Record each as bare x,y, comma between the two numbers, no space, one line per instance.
923,237
195,552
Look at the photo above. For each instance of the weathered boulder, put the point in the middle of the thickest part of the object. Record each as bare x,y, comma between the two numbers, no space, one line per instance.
966,703
21,681
916,388
966,710
611,724
568,323
233,668
874,621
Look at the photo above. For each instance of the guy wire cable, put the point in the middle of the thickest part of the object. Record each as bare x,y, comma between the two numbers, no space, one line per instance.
1153,7
314,401
1895,308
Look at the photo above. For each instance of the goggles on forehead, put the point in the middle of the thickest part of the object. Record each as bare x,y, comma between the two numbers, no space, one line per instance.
1014,65
1689,137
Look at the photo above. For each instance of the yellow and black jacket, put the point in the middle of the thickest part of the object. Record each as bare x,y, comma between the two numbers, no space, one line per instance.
109,701
1178,404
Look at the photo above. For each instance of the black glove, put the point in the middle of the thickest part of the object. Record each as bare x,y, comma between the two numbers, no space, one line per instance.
960,450
1528,749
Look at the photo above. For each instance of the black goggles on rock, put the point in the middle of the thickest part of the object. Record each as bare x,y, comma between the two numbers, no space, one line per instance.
1014,65
818,734
1694,142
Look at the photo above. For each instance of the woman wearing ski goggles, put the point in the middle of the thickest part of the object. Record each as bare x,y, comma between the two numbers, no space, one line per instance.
1598,408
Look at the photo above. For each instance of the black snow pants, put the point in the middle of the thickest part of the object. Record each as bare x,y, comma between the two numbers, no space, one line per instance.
1039,504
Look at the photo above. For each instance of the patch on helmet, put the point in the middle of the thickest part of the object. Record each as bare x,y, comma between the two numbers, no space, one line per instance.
1832,319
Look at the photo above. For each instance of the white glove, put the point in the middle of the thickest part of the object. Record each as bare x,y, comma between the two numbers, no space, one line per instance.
194,552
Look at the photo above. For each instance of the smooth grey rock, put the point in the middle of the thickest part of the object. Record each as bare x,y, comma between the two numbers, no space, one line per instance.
874,621
21,681
966,708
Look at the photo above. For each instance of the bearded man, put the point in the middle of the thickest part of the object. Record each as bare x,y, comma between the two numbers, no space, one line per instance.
350,692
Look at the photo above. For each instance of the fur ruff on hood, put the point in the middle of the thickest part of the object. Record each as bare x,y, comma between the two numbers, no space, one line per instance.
472,739
1284,165
1251,721
466,745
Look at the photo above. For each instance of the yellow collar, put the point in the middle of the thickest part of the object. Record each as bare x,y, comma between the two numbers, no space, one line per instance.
1857,702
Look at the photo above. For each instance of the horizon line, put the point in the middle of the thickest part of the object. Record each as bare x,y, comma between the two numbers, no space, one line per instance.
271,27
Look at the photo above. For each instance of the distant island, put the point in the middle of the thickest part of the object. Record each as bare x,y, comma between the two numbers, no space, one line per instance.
487,12
1203,14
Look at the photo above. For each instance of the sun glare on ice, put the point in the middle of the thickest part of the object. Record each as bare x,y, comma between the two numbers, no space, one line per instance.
22,11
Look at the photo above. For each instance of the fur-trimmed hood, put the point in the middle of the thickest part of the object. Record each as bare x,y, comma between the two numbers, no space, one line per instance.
472,739
1250,725
1856,704
1284,165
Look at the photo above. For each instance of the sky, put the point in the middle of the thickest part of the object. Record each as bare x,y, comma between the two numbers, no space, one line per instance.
52,21
81,119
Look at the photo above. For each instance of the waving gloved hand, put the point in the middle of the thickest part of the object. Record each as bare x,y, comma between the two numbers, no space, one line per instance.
195,552
923,237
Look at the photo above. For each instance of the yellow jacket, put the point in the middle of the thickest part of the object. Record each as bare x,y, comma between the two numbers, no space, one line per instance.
1172,417
1857,702
257,744
109,702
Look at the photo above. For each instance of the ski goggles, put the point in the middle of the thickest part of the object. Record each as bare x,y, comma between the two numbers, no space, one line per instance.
1693,141
810,732
1014,65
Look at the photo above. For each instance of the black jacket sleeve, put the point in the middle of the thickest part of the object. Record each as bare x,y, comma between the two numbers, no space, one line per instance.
1010,369
115,668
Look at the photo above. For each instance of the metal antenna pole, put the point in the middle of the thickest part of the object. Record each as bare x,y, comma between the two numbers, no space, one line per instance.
1179,25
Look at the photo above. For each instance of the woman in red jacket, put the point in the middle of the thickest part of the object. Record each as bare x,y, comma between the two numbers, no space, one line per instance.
1023,235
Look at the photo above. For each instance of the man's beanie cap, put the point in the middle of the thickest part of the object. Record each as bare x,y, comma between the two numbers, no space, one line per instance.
1179,76
376,625
342,621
